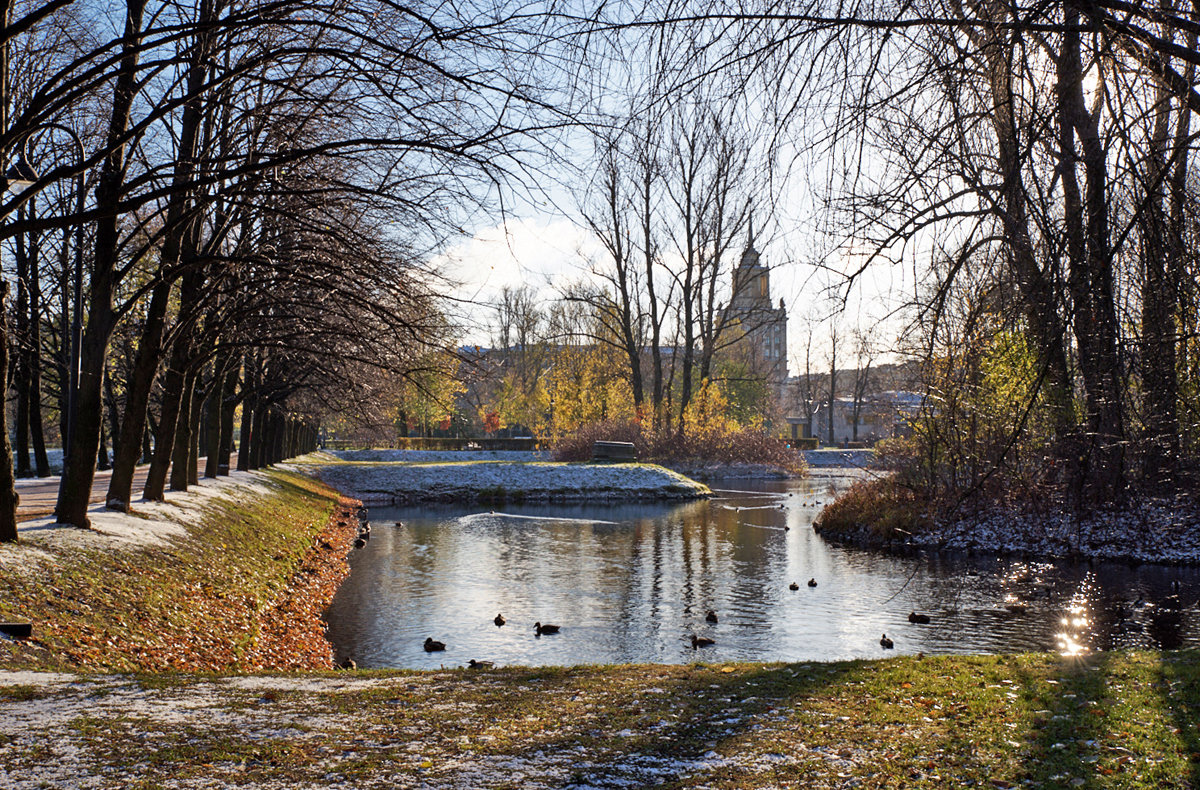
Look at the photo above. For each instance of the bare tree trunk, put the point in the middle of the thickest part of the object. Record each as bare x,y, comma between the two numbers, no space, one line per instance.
137,398
833,340
36,426
8,491
21,341
79,469
182,445
215,406
194,422
228,406
1090,277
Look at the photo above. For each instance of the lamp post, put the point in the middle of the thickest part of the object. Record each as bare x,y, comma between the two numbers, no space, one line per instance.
20,177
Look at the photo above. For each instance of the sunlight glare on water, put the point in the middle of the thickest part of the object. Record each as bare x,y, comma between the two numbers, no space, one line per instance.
632,582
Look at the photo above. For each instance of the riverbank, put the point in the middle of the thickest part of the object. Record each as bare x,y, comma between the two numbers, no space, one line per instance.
395,477
875,514
1119,720
232,575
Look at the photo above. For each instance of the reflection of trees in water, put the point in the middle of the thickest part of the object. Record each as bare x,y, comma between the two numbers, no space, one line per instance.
646,581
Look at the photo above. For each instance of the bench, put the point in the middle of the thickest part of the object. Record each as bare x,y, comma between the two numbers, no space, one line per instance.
617,452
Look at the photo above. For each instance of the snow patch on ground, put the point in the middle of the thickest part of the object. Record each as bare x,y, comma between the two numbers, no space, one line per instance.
150,523
431,476
1152,531
837,458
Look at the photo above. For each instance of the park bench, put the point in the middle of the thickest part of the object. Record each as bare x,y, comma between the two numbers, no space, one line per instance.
616,452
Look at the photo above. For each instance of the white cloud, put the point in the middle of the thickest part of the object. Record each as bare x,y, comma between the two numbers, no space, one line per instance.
544,254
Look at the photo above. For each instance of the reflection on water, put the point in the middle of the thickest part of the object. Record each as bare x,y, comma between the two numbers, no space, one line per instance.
632,583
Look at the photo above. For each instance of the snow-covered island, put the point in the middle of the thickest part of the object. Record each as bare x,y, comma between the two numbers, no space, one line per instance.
387,477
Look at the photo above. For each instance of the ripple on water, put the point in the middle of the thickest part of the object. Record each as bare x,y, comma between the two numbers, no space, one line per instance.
632,582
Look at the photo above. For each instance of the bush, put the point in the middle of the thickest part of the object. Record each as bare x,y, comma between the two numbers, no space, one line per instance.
717,445
881,505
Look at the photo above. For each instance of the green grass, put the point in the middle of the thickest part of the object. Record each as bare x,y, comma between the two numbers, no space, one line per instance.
1113,720
192,604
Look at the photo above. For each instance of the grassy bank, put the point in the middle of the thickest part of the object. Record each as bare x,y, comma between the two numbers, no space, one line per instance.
1120,720
236,582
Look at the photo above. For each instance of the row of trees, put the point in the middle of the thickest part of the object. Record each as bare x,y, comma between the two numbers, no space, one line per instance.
548,375
1032,162
260,181
1040,157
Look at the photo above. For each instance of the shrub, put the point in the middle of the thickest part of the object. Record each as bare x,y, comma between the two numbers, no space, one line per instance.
881,505
721,444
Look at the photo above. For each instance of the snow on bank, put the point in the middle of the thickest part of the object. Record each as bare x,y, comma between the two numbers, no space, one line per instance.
1158,531
399,476
838,458
149,524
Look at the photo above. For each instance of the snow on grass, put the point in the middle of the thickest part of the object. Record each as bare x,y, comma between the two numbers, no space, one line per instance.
397,476
148,523
931,723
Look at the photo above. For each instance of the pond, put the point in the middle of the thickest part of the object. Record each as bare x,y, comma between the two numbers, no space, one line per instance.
632,582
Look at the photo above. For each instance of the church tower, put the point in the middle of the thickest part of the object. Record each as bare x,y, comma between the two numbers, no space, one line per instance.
764,326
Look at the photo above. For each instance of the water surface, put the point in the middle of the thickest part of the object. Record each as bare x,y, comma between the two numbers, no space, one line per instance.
631,582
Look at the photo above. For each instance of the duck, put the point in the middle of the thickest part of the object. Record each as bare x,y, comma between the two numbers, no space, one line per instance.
793,586
540,629
1017,608
473,664
360,542
913,617
347,664
886,643
499,620
702,641
432,645
711,616
812,582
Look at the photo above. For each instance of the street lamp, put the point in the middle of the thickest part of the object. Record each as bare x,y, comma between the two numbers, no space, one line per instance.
20,176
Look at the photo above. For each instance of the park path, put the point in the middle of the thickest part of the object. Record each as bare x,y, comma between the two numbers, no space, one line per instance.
40,495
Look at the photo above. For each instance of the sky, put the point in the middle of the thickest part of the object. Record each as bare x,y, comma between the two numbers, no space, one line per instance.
549,251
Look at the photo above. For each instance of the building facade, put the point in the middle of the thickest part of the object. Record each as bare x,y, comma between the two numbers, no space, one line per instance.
763,327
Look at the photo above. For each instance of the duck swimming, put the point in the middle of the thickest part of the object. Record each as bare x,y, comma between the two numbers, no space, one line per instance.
913,617
432,645
499,621
886,643
812,582
473,664
793,586
711,616
540,629
702,641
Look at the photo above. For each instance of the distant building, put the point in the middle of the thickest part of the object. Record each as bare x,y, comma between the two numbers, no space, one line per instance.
764,328
882,415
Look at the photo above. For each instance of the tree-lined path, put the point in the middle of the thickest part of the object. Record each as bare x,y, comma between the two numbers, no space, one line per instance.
38,495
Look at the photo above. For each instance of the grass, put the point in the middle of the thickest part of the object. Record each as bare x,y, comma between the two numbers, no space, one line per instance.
1110,720
1114,720
197,603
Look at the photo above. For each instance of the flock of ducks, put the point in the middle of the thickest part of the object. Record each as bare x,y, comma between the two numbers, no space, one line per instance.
432,645
539,628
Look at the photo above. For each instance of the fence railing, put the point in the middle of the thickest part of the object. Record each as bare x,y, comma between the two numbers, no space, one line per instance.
439,443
